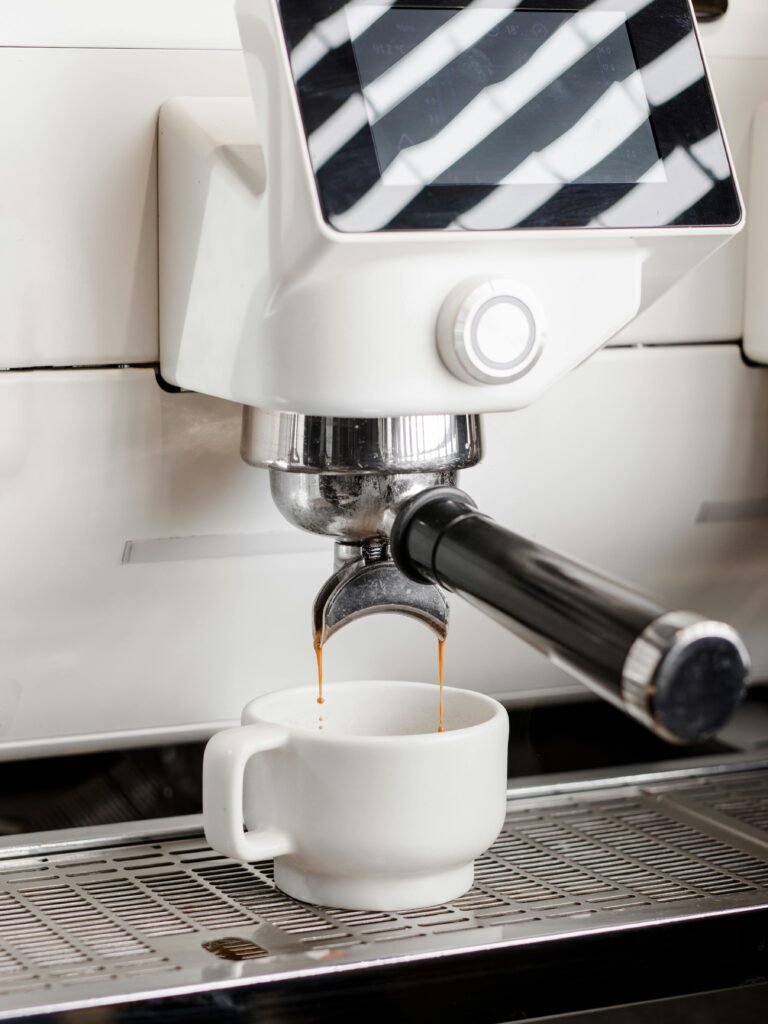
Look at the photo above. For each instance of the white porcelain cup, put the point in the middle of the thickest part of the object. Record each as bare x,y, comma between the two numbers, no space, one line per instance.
362,803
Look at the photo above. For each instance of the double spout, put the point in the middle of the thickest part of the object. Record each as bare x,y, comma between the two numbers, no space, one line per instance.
367,580
358,510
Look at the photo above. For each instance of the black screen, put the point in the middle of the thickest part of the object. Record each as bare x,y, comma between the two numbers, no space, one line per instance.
443,92
503,114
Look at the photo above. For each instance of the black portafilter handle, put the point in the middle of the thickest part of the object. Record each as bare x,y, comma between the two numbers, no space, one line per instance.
678,673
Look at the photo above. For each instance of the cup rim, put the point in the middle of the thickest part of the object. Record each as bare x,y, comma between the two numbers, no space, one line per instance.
450,735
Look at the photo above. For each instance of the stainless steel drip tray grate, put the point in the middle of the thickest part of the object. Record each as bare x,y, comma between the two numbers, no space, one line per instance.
121,918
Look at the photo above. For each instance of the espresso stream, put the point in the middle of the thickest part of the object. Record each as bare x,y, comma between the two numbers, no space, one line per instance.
440,673
319,656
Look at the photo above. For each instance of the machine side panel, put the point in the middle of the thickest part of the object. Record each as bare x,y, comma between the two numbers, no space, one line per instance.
756,322
78,197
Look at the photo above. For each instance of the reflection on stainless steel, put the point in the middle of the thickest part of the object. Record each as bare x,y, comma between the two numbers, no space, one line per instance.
670,676
84,923
367,582
322,444
347,478
348,506
708,767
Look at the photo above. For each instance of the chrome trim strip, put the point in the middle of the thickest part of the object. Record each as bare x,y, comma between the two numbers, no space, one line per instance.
70,840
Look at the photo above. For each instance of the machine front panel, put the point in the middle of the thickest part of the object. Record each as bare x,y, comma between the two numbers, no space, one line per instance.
503,114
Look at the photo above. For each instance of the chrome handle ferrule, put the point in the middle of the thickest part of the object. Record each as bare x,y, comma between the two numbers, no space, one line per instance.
684,676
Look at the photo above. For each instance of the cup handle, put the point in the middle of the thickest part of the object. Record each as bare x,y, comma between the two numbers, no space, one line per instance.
224,763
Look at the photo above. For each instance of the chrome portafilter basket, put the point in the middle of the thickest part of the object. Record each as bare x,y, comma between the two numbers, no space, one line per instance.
347,479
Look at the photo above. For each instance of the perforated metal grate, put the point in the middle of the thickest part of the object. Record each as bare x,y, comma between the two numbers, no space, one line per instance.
155,915
741,799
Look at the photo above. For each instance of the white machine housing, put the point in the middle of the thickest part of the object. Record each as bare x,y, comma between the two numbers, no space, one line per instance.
263,302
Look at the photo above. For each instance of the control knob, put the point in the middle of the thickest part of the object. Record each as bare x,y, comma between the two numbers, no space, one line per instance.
490,332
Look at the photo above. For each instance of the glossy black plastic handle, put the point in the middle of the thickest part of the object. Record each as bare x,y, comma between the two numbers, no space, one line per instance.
682,675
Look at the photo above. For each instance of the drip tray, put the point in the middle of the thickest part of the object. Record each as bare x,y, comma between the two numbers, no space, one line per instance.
106,916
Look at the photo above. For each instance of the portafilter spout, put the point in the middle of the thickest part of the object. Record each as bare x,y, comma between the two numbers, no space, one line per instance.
347,479
368,581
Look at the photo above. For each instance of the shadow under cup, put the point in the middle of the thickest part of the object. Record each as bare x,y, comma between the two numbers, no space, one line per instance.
376,809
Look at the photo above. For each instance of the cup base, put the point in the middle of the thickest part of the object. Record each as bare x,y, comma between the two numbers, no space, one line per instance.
376,892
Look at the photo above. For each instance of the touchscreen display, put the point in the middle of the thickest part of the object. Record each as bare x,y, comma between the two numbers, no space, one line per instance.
485,96
493,115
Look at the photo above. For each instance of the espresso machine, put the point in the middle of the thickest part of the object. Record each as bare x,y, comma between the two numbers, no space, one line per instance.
446,210
310,265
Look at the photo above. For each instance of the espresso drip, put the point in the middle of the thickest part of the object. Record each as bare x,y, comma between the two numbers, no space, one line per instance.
441,674
319,656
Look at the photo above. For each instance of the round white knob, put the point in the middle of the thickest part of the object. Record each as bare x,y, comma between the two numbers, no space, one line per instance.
488,334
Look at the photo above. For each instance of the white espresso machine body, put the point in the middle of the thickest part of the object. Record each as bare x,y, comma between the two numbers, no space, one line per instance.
440,209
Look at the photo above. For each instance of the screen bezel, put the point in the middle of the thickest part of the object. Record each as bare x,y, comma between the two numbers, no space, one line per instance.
685,119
